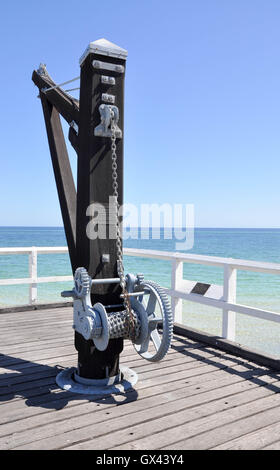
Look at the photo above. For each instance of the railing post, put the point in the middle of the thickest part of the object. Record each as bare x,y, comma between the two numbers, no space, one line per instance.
33,276
176,278
228,327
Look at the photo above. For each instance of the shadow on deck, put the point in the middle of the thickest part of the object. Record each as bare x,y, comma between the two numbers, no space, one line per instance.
197,398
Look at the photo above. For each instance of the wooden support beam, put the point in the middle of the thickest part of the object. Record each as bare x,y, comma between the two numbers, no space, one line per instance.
63,174
66,105
73,138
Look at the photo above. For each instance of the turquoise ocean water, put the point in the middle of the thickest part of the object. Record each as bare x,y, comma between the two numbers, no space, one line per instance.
256,289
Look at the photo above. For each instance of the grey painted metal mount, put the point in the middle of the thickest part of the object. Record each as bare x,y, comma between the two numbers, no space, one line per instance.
70,381
104,47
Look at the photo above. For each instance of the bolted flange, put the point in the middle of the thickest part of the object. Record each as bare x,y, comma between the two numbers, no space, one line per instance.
69,380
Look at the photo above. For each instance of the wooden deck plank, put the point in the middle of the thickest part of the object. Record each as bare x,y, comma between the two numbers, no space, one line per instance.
39,315
149,434
198,397
148,378
116,419
242,421
171,390
58,400
36,346
273,446
261,438
198,387
26,319
260,418
23,362
15,383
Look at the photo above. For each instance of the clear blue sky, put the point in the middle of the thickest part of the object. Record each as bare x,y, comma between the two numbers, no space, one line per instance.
202,104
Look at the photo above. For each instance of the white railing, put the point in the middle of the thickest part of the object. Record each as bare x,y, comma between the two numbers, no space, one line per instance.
33,280
222,297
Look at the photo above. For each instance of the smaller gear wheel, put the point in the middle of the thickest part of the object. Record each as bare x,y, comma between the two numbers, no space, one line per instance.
82,282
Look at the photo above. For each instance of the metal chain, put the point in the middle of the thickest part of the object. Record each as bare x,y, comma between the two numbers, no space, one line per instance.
126,300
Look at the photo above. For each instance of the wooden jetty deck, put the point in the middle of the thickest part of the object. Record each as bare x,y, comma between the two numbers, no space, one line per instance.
199,397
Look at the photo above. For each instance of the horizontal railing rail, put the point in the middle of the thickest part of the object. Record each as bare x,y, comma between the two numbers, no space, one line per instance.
33,278
222,297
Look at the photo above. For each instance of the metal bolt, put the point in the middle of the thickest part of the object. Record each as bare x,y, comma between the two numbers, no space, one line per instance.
105,258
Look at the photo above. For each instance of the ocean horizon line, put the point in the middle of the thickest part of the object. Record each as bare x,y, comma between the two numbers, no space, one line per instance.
144,227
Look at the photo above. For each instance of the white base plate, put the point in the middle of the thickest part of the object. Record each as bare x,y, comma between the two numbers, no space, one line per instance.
65,380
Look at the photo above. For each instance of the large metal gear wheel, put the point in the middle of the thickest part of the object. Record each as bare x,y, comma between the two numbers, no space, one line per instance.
159,319
82,282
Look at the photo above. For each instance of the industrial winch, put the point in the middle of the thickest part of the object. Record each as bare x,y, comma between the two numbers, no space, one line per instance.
148,323
145,316
137,310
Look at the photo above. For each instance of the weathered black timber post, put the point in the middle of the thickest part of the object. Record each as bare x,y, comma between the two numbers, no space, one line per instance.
102,81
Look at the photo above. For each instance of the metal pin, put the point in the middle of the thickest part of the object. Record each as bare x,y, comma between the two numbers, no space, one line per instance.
114,306
112,280
135,294
105,258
